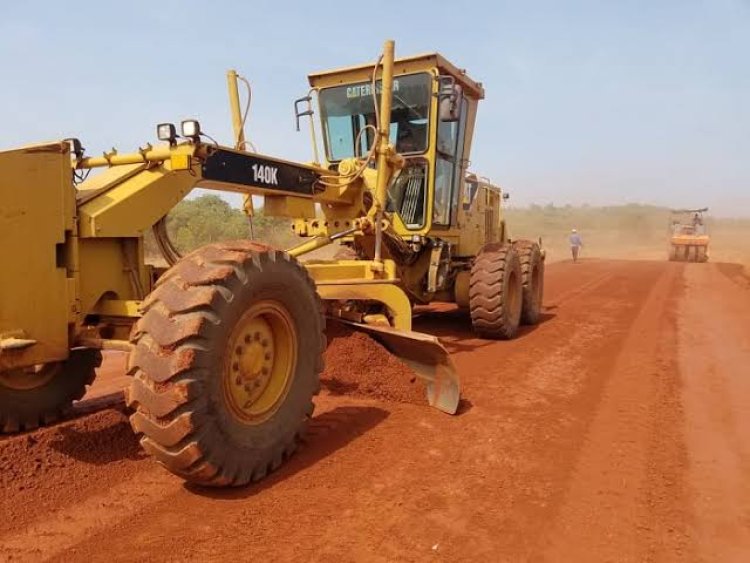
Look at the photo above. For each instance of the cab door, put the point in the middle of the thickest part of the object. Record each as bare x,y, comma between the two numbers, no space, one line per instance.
449,170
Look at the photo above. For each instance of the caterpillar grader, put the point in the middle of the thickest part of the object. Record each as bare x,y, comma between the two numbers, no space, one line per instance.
226,344
688,237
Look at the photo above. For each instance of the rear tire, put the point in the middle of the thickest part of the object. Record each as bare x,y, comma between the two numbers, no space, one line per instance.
496,292
226,361
532,280
702,254
692,254
29,400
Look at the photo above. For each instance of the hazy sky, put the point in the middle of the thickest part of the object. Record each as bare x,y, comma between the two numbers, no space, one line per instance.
587,101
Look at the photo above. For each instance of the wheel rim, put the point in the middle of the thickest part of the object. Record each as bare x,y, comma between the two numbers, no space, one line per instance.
25,379
260,362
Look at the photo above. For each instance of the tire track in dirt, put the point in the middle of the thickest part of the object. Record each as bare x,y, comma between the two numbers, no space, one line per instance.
715,364
584,288
69,526
411,482
554,389
626,500
390,481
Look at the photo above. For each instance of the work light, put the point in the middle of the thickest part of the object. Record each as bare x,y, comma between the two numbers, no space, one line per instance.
191,128
166,132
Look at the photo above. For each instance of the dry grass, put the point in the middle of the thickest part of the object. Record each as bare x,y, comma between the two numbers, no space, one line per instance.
620,232
623,232
731,243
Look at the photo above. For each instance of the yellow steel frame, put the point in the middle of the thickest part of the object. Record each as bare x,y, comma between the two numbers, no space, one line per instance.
103,273
362,280
37,296
97,230
690,240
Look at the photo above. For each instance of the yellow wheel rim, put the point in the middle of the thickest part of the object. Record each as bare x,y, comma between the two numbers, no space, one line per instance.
260,362
25,379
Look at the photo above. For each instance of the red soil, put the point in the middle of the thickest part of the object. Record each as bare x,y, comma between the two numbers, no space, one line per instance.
616,430
358,366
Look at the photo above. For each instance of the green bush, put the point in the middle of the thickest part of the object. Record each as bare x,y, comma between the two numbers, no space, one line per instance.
208,218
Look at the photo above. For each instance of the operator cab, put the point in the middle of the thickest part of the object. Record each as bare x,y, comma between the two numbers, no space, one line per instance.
688,221
431,123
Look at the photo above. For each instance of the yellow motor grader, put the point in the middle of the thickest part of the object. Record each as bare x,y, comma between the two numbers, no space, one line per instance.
226,344
688,238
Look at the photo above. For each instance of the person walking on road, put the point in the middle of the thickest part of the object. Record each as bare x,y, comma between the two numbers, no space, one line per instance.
575,244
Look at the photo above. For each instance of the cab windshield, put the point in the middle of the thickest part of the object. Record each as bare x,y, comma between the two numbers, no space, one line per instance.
347,110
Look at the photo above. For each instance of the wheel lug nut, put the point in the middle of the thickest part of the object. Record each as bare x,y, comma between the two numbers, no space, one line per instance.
256,336
238,350
236,366
264,343
267,356
247,339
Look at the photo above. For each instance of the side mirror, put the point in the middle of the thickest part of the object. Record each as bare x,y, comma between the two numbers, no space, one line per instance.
450,98
506,195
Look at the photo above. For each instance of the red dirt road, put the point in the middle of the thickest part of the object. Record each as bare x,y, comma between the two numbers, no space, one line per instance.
616,430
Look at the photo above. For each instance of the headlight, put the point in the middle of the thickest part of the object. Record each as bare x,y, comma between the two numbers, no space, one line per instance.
191,128
166,132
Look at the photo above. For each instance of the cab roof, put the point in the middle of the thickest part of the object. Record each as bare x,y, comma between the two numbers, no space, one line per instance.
679,211
405,65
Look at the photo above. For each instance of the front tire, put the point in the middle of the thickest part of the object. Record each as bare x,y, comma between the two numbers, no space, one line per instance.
495,292
226,360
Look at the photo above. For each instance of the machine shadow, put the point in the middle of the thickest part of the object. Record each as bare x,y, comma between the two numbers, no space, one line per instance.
464,406
736,273
99,446
454,329
544,317
327,433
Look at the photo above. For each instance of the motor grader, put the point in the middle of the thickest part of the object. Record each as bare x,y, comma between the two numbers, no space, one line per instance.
226,344
688,238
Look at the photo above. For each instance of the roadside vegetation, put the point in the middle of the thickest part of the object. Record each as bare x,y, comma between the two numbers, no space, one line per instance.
209,218
624,231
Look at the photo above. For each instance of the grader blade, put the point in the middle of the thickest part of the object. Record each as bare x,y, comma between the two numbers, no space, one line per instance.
425,355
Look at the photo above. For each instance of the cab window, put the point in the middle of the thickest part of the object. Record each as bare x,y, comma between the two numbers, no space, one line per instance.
470,192
448,168
348,111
